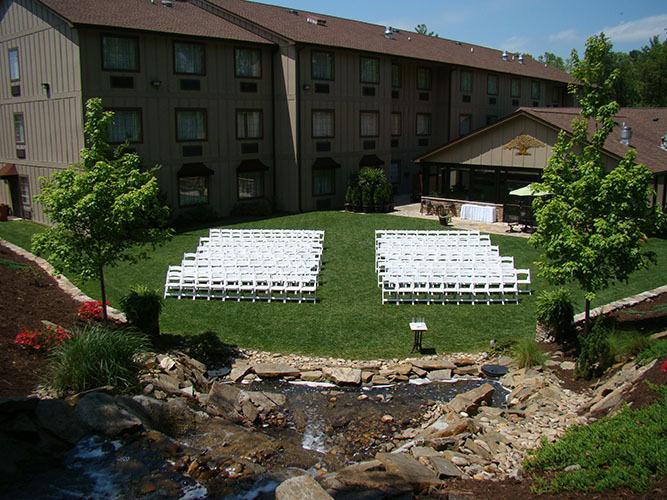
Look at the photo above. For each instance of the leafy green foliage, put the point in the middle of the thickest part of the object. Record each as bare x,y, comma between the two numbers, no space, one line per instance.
626,450
142,307
593,226
96,356
370,190
104,211
527,353
595,352
422,29
554,309
553,60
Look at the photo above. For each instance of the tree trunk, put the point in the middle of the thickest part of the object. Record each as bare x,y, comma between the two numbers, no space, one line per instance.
103,289
587,316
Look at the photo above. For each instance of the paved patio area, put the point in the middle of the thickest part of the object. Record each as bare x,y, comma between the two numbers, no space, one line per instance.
412,210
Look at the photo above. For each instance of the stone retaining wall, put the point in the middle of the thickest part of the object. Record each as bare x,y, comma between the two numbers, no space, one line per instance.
63,283
622,304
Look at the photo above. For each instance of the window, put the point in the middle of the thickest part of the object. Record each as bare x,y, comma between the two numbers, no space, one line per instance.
492,84
369,123
190,125
189,58
250,185
120,53
396,124
535,90
424,78
19,128
322,65
465,124
14,67
26,199
248,63
192,191
370,70
249,124
323,124
324,181
125,126
515,89
466,82
396,77
423,123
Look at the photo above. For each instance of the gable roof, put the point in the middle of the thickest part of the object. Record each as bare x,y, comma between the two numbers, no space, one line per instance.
648,126
347,33
182,18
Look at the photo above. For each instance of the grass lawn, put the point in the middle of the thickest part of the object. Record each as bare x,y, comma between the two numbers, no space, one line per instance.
349,321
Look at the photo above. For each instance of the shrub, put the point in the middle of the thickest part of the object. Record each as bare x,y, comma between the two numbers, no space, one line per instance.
527,353
95,356
369,189
595,352
554,310
142,307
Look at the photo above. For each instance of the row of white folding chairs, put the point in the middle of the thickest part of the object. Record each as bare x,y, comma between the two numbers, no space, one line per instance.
464,268
461,277
259,241
430,232
250,258
242,287
436,260
384,246
274,234
424,252
462,272
232,270
501,287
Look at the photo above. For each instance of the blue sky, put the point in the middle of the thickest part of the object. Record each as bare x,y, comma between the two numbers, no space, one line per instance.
516,25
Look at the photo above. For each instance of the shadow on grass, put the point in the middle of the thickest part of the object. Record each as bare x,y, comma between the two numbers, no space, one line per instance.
180,228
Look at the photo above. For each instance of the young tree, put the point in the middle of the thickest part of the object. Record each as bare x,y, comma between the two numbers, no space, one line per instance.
593,227
422,29
553,60
104,210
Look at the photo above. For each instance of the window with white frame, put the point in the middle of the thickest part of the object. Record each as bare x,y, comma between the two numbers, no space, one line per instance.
322,65
120,53
249,124
423,123
250,185
396,124
323,124
369,123
190,125
125,126
248,63
19,128
369,70
14,65
189,58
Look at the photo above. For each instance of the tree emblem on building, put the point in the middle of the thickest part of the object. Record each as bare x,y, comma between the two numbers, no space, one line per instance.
523,143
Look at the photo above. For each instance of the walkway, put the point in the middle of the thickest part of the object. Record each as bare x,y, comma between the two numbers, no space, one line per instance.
412,210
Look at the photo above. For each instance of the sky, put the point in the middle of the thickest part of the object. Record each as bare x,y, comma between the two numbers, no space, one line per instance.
532,26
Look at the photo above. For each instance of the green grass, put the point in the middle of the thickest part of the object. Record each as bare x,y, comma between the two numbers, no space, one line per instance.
349,321
627,450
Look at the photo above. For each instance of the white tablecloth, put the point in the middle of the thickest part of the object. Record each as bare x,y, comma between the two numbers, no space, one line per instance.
478,213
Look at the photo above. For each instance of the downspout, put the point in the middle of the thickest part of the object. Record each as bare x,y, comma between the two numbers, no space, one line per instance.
298,125
276,49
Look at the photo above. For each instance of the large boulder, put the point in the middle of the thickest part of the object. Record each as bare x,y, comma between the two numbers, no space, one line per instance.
103,415
223,401
343,376
440,375
275,370
448,425
469,401
444,468
301,488
412,471
434,364
172,417
59,418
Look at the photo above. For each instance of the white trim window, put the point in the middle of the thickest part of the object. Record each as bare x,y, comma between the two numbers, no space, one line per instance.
323,124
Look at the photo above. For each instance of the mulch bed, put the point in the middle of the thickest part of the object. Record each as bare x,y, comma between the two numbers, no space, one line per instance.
28,295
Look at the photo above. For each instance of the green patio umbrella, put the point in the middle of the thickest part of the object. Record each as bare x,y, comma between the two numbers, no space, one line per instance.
528,191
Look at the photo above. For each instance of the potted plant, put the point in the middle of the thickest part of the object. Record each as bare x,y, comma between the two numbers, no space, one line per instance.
444,217
379,199
349,198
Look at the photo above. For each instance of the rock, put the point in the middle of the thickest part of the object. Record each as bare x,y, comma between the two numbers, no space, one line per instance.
409,469
371,465
102,414
469,401
167,383
250,411
311,376
568,365
172,417
59,418
550,363
343,376
275,370
380,380
434,364
166,362
449,425
421,373
301,488
439,375
362,397
659,335
611,401
444,468
366,376
265,402
572,468
378,484
223,401
387,419
401,368
238,372
467,370
423,451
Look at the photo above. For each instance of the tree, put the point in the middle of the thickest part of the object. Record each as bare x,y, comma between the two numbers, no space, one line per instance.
423,30
551,59
651,72
104,210
593,226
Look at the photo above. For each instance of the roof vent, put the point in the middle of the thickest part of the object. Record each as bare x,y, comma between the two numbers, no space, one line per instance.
389,33
626,134
520,58
316,22
505,55
167,3
472,49
294,11
663,142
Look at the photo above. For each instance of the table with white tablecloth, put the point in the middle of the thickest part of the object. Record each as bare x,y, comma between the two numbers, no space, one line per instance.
479,213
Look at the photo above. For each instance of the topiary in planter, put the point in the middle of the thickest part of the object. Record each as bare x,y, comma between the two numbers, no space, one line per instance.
555,315
142,307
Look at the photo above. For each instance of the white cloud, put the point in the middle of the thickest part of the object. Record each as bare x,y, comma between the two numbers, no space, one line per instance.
639,30
564,36
516,44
